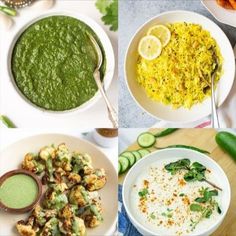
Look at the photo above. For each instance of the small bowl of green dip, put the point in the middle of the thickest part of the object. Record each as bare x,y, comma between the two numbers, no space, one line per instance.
52,61
20,190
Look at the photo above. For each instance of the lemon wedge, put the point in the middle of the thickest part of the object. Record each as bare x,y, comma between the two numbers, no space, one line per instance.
149,47
161,32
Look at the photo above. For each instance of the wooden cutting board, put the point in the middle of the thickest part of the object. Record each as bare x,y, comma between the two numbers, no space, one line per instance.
205,139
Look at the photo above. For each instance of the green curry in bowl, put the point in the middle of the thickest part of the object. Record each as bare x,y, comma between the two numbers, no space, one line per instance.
53,62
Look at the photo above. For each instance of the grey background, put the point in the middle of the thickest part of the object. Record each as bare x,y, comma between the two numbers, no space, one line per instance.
132,14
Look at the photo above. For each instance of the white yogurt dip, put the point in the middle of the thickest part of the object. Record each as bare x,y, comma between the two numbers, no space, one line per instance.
161,201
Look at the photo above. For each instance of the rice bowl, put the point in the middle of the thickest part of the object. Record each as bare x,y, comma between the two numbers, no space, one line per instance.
166,112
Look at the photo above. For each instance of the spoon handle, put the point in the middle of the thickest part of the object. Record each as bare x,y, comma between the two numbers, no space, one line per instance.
214,115
111,110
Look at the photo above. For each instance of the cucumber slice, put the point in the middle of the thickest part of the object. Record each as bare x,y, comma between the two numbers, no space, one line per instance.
137,155
124,162
146,140
119,167
143,152
130,156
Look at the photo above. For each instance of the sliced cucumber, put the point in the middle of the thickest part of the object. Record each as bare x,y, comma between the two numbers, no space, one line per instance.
137,155
124,162
119,167
146,140
143,152
130,156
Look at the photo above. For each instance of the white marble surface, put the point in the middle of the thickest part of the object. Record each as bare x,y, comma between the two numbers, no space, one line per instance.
132,14
21,113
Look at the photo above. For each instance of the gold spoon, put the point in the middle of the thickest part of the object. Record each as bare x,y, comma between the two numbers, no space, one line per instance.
96,74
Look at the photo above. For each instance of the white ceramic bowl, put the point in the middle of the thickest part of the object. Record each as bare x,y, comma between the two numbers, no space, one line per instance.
164,112
105,41
221,14
171,155
12,156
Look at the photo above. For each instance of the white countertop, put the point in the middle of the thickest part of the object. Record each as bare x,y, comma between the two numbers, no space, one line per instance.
20,112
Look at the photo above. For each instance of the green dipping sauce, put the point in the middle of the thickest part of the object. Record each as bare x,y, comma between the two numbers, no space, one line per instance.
18,191
53,63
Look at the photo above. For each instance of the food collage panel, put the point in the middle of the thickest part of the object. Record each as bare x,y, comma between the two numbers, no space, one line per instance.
117,117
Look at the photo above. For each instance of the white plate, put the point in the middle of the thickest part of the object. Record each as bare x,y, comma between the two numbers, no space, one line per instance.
198,111
13,155
171,155
223,15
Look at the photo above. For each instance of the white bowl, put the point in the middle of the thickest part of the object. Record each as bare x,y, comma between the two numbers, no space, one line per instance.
105,41
13,155
221,14
164,112
174,154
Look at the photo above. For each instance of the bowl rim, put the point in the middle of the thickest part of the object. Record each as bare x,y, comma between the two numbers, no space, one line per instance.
142,162
11,173
108,49
126,58
109,230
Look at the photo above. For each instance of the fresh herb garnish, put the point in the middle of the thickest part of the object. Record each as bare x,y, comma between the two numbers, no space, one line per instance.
109,9
208,205
181,194
195,207
195,171
207,195
143,192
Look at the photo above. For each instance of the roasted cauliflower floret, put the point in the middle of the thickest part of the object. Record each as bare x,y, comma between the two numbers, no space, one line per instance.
66,214
55,198
73,179
25,230
80,162
63,157
95,181
93,216
51,228
31,163
78,227
79,196
41,215
48,154
70,224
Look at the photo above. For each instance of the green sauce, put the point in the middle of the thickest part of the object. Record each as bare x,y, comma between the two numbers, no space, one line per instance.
18,191
53,63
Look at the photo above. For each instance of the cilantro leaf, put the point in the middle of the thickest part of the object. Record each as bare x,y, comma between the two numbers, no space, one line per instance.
102,5
109,9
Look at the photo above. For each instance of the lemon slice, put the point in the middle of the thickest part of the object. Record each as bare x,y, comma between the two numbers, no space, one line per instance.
149,47
161,32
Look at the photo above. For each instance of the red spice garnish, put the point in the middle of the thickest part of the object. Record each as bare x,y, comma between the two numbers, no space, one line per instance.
170,222
186,200
145,183
181,182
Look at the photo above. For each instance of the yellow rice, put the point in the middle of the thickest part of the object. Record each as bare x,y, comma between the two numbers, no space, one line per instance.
181,75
